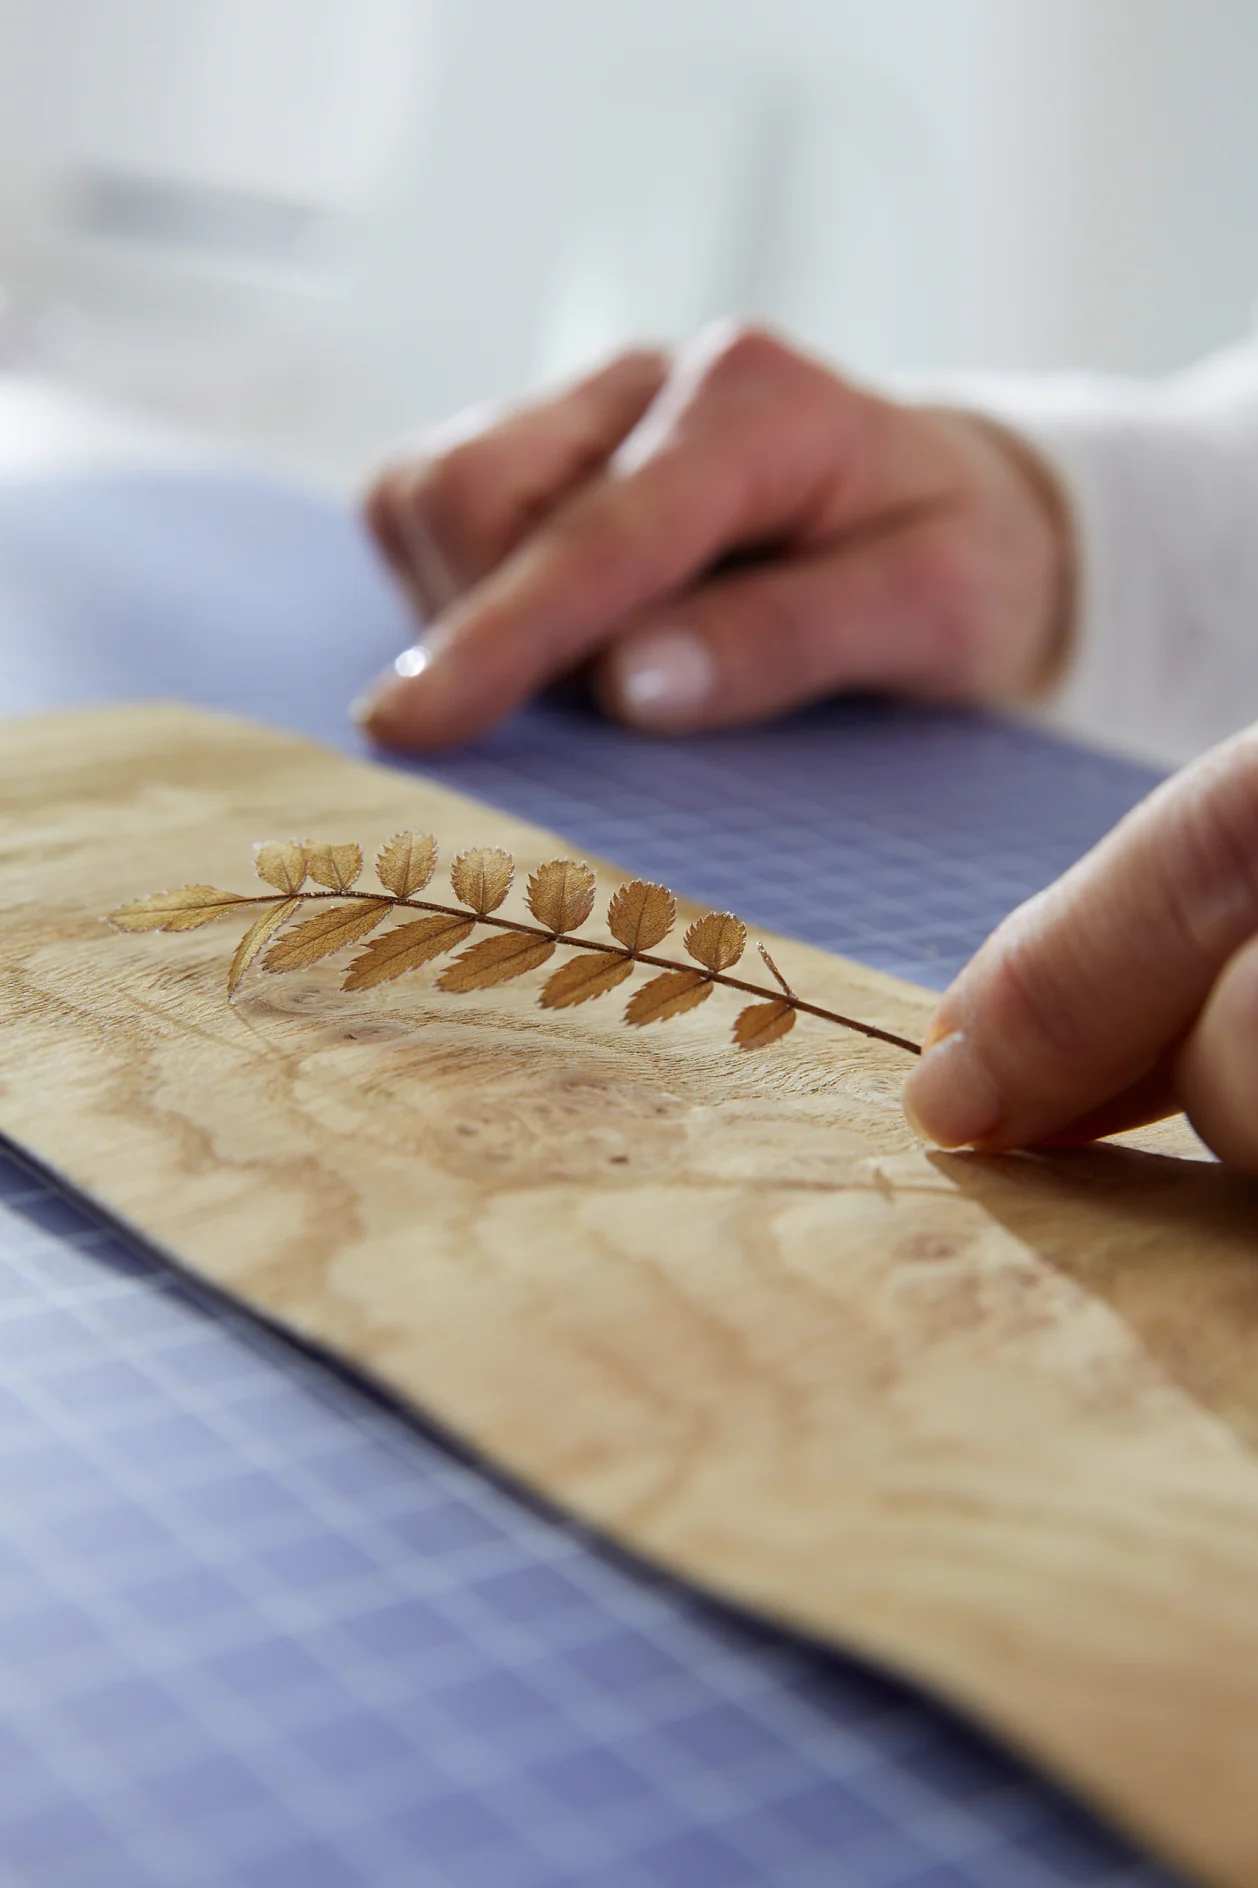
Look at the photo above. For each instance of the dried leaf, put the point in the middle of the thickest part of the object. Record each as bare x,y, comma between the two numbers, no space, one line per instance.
640,916
337,867
590,974
717,940
762,1023
482,877
181,910
255,937
561,895
406,948
495,960
405,863
319,937
668,995
282,863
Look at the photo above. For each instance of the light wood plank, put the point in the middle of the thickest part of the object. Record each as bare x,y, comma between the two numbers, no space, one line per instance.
990,1421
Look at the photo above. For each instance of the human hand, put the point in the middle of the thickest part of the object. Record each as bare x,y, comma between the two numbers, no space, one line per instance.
1127,990
717,536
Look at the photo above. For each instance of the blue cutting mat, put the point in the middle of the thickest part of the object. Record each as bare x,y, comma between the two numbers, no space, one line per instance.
255,1628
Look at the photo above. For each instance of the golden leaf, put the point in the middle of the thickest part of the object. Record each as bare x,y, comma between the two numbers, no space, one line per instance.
640,916
590,974
405,863
668,995
282,863
762,1023
337,867
561,895
255,937
717,940
181,910
405,948
495,960
482,877
319,937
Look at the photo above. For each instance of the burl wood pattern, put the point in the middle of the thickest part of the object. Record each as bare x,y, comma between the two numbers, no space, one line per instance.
991,1421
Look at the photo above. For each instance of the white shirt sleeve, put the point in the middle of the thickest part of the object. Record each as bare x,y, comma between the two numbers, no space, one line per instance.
1162,481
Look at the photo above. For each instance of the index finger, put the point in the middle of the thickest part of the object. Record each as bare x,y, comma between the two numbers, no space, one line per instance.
448,513
1080,998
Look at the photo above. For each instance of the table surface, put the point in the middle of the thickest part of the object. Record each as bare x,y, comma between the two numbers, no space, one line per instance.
257,1627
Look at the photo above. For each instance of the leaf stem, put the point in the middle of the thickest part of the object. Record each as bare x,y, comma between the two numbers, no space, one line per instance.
618,950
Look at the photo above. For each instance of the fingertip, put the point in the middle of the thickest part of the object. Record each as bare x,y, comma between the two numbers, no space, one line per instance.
409,706
381,712
396,716
951,1097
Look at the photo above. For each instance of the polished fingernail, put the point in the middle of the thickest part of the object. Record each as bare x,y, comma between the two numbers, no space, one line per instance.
950,1098
663,676
413,662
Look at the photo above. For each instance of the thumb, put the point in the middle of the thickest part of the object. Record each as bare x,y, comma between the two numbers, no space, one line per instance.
880,611
1082,993
1217,1071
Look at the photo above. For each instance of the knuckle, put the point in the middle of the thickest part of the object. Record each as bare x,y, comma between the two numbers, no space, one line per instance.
1209,861
635,364
743,351
1224,815
1035,997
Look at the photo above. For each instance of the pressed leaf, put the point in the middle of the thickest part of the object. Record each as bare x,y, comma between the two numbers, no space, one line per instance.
667,995
495,960
255,937
717,940
282,863
561,894
406,948
590,974
337,867
181,910
482,877
640,915
330,931
762,1023
405,863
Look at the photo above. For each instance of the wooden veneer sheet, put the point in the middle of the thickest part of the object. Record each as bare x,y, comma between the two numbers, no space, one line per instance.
990,1421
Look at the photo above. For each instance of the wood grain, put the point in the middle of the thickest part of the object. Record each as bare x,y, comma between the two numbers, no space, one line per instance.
992,1422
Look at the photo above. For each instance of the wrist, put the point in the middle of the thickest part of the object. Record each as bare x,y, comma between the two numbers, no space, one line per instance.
1054,607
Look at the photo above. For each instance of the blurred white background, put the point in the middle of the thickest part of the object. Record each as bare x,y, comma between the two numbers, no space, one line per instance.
307,227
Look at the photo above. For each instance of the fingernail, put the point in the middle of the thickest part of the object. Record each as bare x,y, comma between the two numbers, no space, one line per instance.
942,1023
663,676
412,662
950,1098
